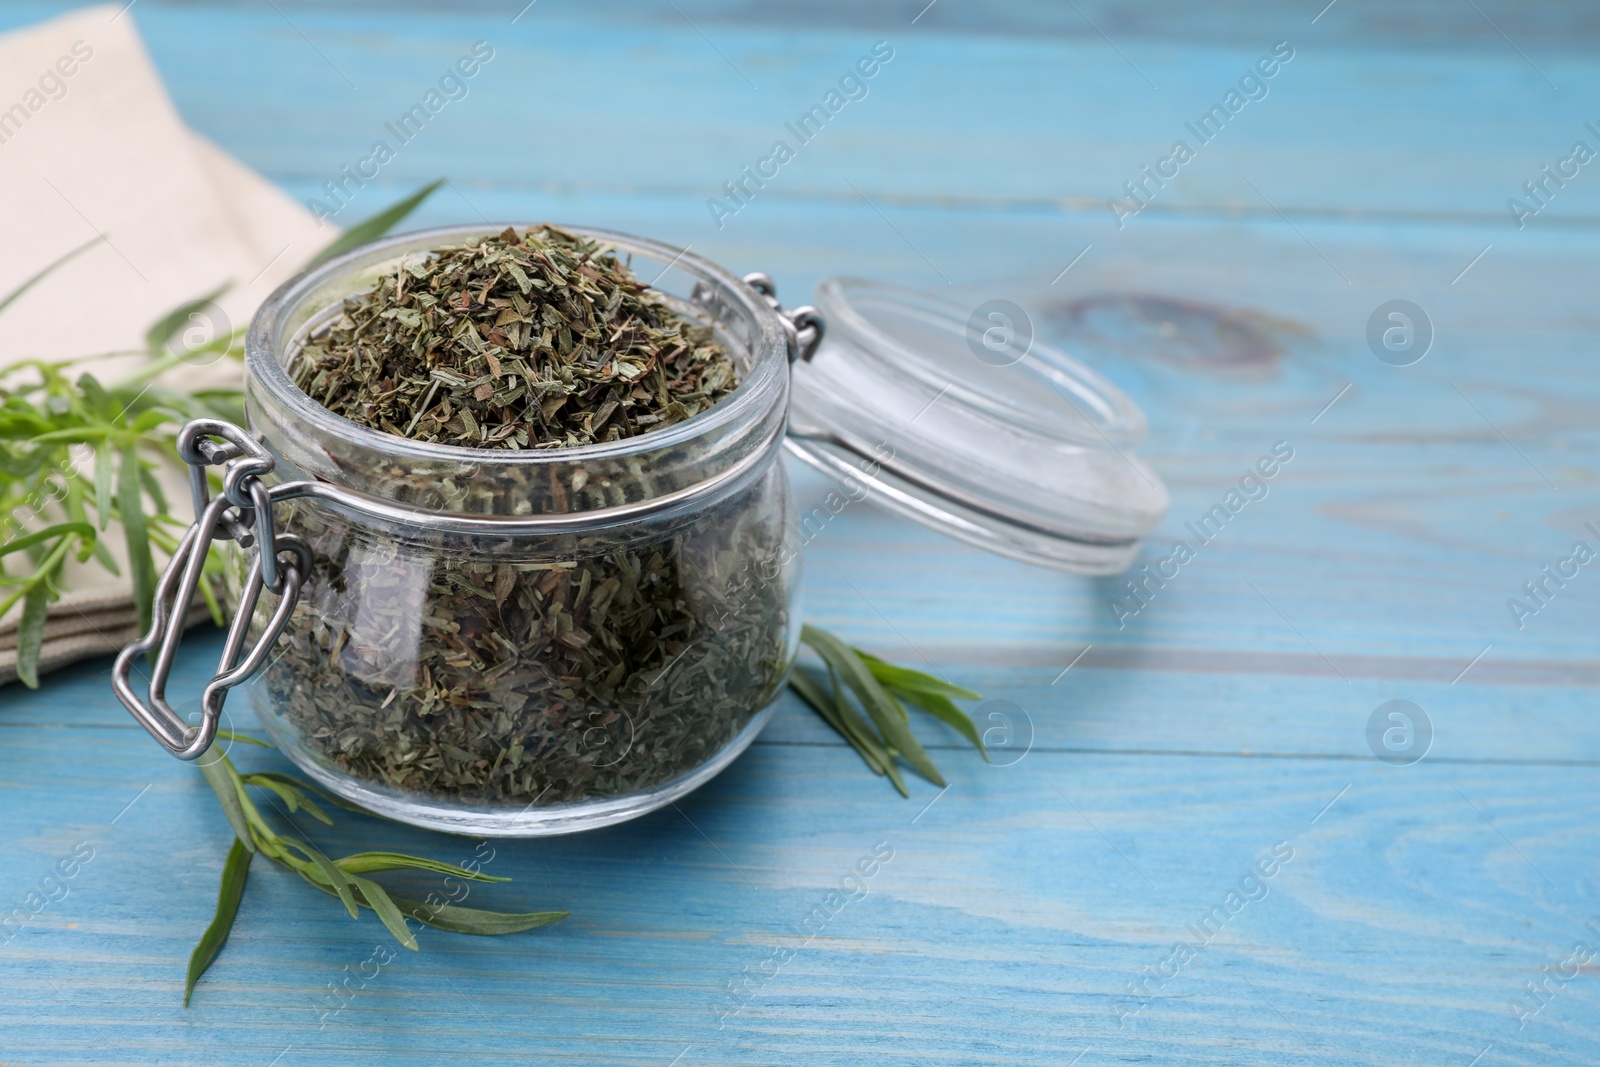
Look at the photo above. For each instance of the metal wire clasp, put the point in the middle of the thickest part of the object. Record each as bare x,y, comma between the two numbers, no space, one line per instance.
242,513
803,326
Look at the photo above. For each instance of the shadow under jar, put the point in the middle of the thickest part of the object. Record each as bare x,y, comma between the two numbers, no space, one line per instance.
528,642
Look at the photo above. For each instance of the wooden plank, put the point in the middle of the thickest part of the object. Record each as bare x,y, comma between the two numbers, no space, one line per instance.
1026,898
1041,139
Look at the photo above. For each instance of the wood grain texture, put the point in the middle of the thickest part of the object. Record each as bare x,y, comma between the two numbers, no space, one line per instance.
1132,792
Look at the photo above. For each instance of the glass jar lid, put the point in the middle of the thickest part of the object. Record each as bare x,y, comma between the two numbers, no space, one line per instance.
966,424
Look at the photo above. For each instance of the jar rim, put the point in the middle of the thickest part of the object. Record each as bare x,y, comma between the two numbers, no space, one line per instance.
746,403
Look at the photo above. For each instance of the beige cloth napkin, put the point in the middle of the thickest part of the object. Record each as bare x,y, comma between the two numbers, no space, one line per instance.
91,146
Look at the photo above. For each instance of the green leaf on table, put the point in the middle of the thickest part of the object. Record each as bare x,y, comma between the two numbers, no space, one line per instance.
883,709
372,862
377,898
289,791
459,920
230,735
305,788
338,880
844,720
884,690
941,707
378,225
221,776
234,873
906,678
827,706
288,794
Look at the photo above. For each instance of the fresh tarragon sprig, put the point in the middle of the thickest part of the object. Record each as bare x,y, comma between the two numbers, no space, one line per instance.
883,691
345,877
882,688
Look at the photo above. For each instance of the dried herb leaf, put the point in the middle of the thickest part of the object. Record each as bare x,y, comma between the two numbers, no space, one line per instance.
585,666
487,670
542,339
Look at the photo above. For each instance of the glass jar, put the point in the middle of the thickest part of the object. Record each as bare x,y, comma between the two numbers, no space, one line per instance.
519,643
533,641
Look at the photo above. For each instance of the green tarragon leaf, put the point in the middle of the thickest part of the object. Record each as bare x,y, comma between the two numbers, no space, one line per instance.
884,710
883,690
459,920
378,225
235,871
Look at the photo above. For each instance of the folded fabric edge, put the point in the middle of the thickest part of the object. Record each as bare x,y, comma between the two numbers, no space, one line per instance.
71,648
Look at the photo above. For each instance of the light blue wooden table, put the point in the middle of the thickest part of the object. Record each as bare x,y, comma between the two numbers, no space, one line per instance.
1036,912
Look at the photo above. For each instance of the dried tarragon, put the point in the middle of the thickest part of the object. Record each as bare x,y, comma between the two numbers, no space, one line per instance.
542,339
486,673
490,671
550,670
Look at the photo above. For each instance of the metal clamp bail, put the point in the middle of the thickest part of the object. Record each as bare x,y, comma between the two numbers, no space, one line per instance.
803,326
242,513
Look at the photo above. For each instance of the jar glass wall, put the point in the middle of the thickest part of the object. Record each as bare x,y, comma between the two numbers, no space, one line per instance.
537,641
